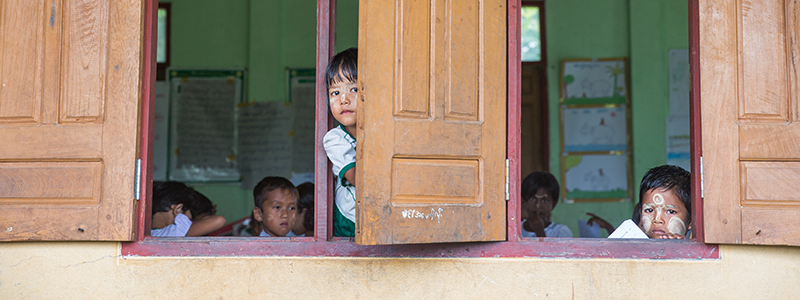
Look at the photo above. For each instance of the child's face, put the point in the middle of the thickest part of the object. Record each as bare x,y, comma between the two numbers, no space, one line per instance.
541,204
298,228
342,96
663,214
277,213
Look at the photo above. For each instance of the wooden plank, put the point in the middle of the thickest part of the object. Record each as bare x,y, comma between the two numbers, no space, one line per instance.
720,141
770,227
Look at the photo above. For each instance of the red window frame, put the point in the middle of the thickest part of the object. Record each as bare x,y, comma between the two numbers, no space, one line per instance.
322,244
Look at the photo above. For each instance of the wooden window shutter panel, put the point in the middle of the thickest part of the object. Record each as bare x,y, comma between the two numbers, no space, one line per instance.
750,129
70,76
432,122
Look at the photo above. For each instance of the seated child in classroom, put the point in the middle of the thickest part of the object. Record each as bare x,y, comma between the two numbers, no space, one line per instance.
204,216
171,209
664,210
304,223
275,205
539,198
340,142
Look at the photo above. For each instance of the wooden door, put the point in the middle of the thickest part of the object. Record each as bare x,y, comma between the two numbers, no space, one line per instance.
70,75
750,130
534,125
431,121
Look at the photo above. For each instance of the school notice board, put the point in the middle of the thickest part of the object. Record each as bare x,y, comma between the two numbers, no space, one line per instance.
202,122
277,138
595,130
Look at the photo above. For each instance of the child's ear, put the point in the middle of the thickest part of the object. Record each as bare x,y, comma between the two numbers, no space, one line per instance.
257,214
176,209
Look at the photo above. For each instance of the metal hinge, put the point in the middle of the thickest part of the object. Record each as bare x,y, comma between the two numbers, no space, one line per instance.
137,180
702,187
506,179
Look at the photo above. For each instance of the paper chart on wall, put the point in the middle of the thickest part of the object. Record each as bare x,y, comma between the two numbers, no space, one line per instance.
161,131
302,95
265,144
203,124
604,80
679,83
595,129
678,147
596,177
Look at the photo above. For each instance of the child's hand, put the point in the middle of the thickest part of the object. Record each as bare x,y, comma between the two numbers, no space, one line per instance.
536,222
672,236
599,221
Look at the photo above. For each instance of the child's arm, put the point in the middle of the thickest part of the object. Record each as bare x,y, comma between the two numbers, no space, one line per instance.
601,222
205,224
350,175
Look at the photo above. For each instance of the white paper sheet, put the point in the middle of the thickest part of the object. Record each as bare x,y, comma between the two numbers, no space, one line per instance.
628,230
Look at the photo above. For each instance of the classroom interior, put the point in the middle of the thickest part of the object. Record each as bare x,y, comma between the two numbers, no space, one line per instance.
267,37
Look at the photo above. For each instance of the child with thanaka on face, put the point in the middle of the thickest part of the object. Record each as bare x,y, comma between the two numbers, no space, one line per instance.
340,142
664,210
275,206
179,210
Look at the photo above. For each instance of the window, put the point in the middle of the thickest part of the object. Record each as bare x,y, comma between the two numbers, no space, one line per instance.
29,207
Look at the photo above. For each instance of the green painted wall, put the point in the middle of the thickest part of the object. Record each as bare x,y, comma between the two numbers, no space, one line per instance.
265,37
642,31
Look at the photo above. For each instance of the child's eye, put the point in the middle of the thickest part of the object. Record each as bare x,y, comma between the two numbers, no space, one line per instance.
648,210
671,211
276,207
354,90
335,93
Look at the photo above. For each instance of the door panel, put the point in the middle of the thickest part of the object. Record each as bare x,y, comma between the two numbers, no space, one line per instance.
66,170
749,121
432,121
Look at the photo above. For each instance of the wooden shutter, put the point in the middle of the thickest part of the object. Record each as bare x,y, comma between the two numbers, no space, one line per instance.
431,121
750,130
70,74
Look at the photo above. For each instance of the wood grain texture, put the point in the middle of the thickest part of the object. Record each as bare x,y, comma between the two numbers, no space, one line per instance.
82,160
21,44
720,140
751,171
466,122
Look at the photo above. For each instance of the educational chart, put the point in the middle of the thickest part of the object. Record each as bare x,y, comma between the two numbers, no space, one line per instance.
594,81
202,137
265,143
277,138
679,85
589,129
596,177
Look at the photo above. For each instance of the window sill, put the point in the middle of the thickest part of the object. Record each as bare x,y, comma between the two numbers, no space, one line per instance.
309,246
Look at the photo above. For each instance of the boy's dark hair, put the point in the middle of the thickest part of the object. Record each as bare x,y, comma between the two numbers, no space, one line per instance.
667,177
169,193
269,184
201,205
306,201
536,180
343,66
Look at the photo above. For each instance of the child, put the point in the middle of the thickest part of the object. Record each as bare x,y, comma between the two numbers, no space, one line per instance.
339,142
204,216
171,209
664,210
304,224
275,205
539,197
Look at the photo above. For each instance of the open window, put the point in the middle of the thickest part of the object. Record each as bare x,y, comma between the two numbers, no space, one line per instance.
70,173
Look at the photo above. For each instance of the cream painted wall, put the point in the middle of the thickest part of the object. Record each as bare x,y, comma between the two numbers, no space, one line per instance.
86,270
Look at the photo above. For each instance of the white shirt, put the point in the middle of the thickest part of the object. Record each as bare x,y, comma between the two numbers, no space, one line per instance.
341,149
179,228
552,230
